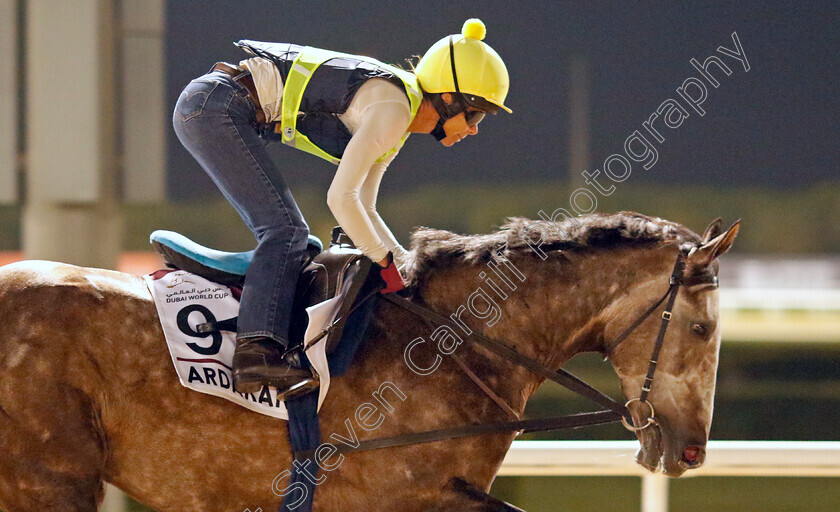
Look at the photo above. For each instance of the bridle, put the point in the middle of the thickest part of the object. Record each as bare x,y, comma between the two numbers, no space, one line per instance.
675,282
615,411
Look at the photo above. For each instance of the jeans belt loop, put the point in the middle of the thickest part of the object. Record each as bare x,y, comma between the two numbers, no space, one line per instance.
243,77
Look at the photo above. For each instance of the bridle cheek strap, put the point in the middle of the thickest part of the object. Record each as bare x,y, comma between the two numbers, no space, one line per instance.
671,295
676,282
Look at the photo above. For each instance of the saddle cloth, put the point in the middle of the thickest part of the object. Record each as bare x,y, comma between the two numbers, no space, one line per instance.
203,360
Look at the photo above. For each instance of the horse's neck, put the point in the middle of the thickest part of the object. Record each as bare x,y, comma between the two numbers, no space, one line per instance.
551,315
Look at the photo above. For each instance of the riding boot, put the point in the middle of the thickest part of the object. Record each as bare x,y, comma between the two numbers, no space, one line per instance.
262,361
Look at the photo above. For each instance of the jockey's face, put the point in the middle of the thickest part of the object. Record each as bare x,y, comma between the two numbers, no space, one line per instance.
457,129
461,125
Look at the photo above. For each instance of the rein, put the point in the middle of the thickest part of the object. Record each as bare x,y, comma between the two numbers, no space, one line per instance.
615,411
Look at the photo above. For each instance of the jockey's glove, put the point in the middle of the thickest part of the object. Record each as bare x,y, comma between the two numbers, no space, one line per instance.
393,281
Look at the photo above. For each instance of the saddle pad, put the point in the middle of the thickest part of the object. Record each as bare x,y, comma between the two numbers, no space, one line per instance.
203,361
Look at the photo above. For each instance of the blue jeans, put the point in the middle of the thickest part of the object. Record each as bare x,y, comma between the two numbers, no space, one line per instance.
216,122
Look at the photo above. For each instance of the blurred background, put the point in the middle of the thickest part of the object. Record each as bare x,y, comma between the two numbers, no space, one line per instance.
89,166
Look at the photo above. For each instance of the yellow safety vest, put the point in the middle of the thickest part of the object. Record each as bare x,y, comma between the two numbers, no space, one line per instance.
301,71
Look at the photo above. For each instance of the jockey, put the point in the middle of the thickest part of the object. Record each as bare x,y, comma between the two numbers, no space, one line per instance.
350,110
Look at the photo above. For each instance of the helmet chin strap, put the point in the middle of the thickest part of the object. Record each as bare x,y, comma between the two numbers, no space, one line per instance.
452,130
445,111
438,132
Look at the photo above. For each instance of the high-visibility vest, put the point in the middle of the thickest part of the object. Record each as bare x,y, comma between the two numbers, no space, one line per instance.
299,74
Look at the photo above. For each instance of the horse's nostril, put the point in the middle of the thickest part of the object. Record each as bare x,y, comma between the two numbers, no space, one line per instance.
693,454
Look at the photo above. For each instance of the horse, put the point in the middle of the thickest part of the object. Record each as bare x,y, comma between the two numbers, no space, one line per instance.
88,393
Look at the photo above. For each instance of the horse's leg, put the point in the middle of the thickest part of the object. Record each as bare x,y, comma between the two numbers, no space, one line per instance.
52,454
460,495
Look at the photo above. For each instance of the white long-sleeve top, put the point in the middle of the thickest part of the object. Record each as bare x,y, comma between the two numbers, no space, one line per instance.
377,117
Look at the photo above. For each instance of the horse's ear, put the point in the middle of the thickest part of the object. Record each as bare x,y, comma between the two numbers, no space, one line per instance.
715,247
712,230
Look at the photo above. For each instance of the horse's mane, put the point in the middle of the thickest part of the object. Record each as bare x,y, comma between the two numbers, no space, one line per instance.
435,248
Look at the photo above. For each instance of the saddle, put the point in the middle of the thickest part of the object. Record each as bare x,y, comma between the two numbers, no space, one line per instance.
339,270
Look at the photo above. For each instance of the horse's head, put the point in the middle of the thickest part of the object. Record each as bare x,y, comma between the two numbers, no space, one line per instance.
581,285
683,388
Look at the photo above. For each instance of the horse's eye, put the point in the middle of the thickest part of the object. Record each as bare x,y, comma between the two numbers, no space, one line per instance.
699,329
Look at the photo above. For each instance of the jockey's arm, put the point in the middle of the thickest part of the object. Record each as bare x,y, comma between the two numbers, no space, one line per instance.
352,194
369,191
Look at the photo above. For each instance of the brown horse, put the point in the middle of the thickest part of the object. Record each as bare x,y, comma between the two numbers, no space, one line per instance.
88,393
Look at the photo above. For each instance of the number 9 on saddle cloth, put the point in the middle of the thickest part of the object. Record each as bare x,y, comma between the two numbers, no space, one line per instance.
339,270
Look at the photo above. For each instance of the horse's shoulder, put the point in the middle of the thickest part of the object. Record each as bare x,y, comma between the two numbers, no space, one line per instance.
37,274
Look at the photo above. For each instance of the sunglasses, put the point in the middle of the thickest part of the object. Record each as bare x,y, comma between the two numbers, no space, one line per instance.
473,117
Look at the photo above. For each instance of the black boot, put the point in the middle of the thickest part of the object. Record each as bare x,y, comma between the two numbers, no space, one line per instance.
259,362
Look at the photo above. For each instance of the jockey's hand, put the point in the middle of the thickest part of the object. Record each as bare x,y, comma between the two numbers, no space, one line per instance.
391,276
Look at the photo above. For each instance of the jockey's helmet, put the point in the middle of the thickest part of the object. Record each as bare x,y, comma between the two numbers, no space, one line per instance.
463,63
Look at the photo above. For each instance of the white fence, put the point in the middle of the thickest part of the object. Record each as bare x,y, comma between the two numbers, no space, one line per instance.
773,299
616,458
723,458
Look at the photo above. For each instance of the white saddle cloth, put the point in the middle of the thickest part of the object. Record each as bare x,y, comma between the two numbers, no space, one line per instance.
203,361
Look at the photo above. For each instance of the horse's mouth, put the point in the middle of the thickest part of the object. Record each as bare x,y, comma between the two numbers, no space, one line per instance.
655,456
650,451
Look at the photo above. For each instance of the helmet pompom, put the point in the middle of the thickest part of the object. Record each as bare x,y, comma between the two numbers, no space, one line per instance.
474,29
465,63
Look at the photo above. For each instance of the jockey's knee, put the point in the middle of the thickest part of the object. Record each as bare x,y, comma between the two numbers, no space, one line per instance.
297,236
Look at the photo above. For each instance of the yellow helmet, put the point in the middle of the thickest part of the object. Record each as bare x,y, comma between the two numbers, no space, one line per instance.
463,63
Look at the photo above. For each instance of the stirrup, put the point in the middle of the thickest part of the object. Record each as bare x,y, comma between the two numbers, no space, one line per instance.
299,389
287,387
292,355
